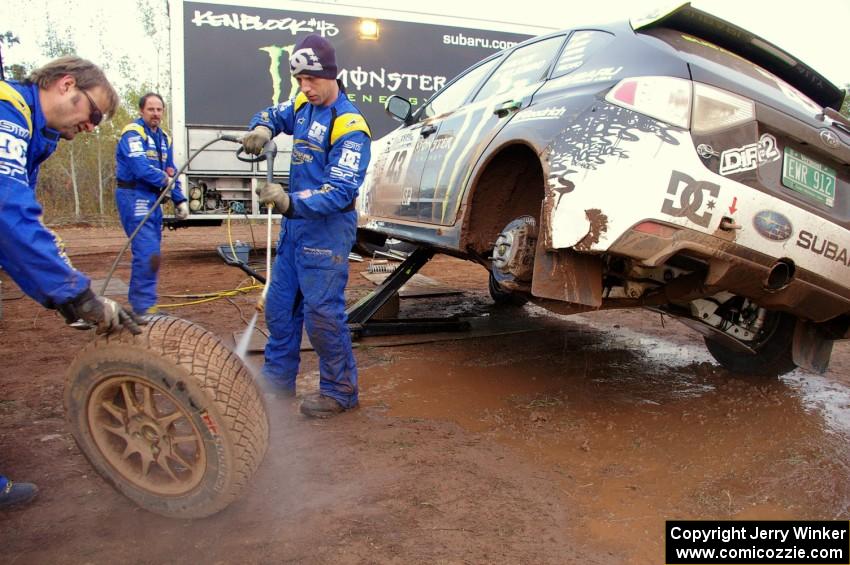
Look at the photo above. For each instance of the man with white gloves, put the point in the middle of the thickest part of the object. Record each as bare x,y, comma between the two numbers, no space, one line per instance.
144,165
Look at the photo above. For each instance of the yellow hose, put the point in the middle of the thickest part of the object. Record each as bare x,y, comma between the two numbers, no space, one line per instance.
211,296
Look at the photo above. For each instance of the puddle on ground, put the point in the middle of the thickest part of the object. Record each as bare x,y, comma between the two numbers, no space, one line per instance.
825,396
637,429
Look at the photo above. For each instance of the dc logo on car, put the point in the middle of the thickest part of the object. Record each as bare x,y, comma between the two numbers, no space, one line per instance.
691,194
772,225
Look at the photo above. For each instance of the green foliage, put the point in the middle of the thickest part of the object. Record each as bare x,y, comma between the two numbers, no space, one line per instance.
57,41
845,107
153,15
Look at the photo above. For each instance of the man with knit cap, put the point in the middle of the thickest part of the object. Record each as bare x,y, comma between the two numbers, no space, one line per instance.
330,153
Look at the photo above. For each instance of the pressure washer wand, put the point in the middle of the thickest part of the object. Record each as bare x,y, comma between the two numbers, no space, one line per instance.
269,152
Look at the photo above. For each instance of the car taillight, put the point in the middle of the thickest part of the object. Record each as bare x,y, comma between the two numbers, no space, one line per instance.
665,98
680,102
654,228
716,109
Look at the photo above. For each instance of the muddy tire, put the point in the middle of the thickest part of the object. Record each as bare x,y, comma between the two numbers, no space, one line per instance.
504,297
171,417
773,350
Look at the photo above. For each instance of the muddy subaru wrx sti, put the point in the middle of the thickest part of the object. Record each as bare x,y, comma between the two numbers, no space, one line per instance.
676,162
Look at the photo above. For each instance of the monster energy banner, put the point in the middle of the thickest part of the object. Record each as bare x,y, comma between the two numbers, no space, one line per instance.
237,60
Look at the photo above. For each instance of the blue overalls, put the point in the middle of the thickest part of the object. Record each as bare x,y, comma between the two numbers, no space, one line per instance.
141,158
331,150
31,254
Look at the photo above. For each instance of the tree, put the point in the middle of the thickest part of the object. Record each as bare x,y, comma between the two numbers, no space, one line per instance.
56,44
845,107
78,182
153,15
15,71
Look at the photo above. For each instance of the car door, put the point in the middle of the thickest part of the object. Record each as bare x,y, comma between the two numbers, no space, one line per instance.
401,155
460,134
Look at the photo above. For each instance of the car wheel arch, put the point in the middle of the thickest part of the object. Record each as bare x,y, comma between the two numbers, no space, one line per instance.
507,184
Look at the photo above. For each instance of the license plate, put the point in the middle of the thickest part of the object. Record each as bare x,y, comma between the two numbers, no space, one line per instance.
808,177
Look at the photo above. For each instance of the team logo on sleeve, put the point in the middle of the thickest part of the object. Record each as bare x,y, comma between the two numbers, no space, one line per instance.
13,149
13,156
349,159
136,147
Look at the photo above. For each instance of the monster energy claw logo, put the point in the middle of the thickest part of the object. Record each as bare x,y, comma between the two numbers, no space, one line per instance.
304,60
275,55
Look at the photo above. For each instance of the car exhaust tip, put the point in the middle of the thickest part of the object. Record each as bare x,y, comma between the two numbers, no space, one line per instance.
780,275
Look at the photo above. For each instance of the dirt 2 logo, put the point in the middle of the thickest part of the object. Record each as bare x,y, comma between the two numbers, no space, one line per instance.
691,194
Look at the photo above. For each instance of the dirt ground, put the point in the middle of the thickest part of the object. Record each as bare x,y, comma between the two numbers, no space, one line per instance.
573,442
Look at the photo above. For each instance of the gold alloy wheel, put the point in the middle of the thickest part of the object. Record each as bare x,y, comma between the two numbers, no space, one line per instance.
170,417
145,434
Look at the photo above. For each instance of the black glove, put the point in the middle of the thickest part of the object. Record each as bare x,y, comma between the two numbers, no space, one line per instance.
103,312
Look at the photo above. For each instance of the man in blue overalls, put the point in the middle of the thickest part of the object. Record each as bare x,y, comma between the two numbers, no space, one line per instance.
330,153
61,99
144,164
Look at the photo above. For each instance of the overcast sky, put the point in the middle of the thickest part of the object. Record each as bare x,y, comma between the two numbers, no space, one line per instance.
815,31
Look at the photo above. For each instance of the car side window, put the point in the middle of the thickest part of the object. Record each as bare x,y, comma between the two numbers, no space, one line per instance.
455,94
579,48
526,65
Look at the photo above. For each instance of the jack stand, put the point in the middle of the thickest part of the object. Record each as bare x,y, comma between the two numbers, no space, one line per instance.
360,313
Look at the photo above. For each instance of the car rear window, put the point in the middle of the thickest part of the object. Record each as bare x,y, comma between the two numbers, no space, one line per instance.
526,65
581,46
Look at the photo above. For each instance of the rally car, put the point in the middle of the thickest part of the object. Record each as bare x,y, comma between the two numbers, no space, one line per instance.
675,162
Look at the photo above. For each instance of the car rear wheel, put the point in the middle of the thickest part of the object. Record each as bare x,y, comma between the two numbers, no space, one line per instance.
772,347
513,261
504,297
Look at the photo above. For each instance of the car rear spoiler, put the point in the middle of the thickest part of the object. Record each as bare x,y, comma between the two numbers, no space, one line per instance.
687,19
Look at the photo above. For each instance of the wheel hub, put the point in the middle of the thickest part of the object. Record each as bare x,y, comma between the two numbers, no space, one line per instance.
513,253
145,434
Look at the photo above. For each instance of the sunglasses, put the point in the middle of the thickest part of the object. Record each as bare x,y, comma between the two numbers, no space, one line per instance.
95,115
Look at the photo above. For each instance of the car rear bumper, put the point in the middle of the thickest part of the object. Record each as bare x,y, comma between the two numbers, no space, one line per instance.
740,232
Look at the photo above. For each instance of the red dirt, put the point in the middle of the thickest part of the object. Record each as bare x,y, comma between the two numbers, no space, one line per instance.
572,443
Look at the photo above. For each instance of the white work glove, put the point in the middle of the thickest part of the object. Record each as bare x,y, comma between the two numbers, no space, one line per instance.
113,317
273,193
181,211
254,141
